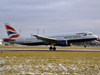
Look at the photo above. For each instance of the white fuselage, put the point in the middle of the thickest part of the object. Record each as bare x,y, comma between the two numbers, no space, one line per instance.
71,37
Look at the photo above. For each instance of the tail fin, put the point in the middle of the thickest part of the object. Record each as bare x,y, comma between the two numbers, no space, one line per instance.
11,31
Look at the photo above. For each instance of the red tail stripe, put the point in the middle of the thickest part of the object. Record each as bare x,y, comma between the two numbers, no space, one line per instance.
14,36
8,27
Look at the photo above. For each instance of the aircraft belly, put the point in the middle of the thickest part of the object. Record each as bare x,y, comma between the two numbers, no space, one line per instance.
33,42
82,39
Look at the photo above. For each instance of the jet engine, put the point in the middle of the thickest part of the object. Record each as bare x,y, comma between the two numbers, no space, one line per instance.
62,43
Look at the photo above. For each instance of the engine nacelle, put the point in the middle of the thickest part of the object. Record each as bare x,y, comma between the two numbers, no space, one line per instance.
63,43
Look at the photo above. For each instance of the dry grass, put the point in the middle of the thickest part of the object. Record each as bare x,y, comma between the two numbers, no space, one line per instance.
52,63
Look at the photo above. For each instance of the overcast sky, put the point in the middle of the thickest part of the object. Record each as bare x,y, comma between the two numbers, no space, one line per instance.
53,16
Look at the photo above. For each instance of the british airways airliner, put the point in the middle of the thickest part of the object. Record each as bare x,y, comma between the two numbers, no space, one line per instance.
63,39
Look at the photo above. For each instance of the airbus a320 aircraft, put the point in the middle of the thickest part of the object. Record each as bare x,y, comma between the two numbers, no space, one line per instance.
63,39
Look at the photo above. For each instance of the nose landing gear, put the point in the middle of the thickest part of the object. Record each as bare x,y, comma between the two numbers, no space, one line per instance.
84,45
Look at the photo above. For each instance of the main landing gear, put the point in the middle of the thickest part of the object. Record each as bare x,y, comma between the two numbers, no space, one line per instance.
52,48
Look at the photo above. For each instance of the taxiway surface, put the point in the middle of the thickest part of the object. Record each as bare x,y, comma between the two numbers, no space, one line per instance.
45,50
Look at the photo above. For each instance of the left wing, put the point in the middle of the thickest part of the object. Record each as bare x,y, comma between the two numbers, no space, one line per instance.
46,39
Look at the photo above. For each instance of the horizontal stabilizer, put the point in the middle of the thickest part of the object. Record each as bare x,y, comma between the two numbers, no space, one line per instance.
7,40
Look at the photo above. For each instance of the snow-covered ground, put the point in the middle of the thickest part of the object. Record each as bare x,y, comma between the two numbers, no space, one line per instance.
45,66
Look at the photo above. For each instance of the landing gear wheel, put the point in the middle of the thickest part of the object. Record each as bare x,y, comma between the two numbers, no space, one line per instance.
50,48
84,46
54,48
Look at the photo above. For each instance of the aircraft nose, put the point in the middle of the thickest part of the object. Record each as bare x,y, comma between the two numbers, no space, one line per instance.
97,37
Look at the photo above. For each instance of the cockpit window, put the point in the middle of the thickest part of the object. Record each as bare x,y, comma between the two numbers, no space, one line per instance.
90,33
